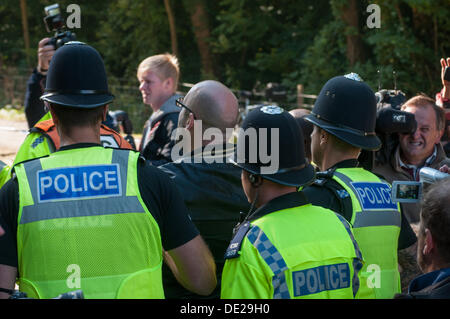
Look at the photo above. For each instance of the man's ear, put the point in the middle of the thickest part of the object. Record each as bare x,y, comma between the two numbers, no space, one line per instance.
105,112
255,180
429,242
439,135
190,122
52,112
168,84
324,136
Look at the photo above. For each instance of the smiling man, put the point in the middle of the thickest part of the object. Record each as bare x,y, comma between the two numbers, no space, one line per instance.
158,80
417,150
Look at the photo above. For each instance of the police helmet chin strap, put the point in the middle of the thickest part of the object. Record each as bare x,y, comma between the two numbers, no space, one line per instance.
46,107
243,218
8,291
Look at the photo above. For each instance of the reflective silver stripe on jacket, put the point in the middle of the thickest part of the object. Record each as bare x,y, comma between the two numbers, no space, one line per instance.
274,260
83,207
371,217
357,262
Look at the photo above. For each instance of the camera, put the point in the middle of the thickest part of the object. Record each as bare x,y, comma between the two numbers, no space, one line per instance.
390,98
389,123
411,192
55,22
406,191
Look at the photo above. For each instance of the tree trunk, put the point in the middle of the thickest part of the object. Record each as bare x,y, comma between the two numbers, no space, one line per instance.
26,37
355,47
200,24
173,33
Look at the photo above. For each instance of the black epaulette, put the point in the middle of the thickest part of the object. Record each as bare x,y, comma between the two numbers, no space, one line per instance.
29,160
13,173
323,177
35,129
235,245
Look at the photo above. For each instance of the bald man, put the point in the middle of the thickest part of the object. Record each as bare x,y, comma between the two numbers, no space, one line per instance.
214,106
306,127
210,185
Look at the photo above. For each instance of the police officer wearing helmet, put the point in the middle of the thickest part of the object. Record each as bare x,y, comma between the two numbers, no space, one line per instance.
286,248
103,214
344,124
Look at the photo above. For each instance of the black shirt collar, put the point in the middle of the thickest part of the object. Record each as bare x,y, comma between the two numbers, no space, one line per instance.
349,163
77,145
286,201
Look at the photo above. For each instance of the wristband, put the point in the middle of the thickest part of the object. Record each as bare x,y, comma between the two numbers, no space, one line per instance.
42,71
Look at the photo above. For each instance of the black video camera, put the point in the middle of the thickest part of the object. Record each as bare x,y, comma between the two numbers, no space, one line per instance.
391,122
55,22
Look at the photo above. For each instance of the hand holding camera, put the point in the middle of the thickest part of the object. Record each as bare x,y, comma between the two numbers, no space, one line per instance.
47,46
55,22
45,54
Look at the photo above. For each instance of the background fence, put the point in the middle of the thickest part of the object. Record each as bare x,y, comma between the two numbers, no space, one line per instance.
128,98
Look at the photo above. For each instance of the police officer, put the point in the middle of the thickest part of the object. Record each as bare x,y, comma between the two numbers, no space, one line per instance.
43,139
344,124
286,248
92,218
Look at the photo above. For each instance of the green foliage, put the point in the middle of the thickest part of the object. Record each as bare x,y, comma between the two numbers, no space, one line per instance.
406,43
129,35
252,41
325,58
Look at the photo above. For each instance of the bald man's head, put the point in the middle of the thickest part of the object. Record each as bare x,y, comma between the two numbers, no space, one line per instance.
212,103
305,126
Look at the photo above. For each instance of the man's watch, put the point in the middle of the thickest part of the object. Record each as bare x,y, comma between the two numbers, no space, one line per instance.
41,71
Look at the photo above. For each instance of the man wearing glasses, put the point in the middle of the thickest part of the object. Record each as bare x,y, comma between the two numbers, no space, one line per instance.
210,185
158,80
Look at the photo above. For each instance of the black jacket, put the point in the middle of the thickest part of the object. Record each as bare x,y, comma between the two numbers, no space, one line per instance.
214,197
433,285
34,107
156,143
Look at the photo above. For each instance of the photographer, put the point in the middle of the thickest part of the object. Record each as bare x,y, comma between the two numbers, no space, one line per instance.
415,150
34,107
40,122
54,22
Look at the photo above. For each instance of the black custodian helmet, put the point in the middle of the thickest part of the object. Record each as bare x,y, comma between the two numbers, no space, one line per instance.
283,139
346,108
77,77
